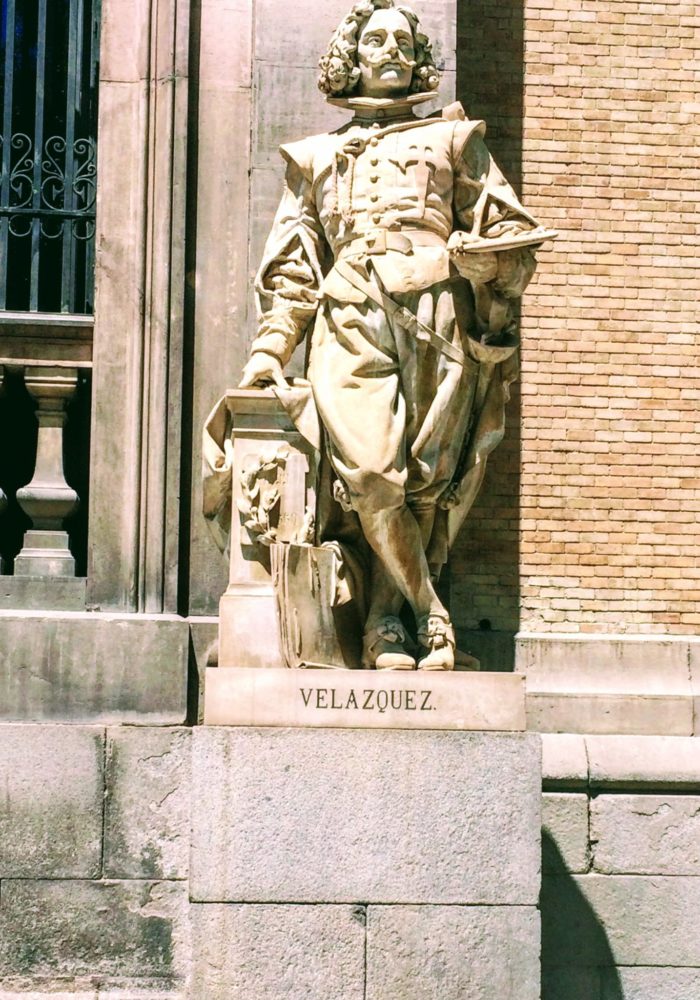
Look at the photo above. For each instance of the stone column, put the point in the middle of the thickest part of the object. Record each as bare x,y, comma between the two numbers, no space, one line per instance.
3,498
48,499
139,301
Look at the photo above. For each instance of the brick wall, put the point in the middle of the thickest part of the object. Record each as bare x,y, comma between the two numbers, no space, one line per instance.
604,132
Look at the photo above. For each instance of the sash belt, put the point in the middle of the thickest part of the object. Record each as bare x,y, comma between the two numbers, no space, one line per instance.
378,241
399,313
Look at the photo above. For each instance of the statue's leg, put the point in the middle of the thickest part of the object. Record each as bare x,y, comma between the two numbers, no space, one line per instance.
385,596
357,379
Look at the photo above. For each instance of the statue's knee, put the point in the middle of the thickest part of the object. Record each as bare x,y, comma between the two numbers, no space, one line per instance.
373,493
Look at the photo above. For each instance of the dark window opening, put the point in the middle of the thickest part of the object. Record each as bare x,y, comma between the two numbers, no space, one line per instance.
49,53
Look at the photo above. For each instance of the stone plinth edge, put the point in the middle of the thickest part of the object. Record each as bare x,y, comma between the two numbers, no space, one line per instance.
639,764
364,699
635,685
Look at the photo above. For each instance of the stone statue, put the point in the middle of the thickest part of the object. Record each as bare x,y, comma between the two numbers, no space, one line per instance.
398,250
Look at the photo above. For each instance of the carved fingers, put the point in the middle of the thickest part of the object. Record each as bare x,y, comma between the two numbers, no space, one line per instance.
478,268
262,369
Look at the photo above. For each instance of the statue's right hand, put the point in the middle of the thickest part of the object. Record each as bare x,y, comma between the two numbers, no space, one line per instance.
262,369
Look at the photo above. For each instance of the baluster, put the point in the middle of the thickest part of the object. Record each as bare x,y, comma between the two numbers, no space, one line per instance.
3,498
48,499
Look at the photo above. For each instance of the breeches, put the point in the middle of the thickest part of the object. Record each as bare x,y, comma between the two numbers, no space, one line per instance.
396,410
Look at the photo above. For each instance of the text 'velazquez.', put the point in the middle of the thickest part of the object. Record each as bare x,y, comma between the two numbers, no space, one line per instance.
368,700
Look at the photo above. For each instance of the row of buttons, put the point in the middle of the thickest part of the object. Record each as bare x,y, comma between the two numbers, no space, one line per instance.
374,178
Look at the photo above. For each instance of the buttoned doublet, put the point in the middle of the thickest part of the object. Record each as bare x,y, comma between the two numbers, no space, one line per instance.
403,419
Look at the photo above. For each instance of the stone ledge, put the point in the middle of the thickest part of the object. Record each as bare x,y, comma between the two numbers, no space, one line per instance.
564,761
620,763
364,699
661,762
33,592
93,668
617,684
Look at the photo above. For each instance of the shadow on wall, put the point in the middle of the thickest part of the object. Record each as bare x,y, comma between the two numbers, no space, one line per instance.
485,585
577,960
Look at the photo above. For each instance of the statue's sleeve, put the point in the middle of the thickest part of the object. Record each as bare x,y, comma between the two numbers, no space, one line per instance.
290,274
485,204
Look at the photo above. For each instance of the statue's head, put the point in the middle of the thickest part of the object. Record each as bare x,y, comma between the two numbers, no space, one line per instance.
378,50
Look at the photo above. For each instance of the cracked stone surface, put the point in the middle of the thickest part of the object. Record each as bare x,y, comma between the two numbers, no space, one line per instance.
147,817
646,834
76,935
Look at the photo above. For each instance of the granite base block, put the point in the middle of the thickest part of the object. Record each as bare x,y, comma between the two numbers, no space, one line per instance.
244,952
78,935
147,808
341,816
453,953
51,801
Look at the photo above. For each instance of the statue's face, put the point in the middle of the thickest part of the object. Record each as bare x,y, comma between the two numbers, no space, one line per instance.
385,55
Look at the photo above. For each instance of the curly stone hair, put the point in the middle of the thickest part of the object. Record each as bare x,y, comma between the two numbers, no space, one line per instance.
339,72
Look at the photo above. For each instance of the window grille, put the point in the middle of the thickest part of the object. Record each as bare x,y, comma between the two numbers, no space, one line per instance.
48,100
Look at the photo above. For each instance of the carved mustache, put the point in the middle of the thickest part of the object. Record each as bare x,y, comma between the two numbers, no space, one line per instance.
394,57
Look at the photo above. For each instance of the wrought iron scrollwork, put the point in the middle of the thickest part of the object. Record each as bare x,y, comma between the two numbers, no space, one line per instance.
21,166
85,176
48,158
53,184
67,188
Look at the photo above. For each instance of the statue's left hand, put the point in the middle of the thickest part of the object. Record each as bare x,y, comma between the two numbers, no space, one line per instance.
478,268
262,369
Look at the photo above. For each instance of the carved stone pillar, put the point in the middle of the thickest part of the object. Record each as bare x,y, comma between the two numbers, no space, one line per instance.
274,475
48,499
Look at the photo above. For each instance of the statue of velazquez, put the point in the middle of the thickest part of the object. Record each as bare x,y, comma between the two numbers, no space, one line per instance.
399,249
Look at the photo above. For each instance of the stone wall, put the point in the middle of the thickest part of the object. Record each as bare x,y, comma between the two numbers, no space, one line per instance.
621,867
595,107
94,828
129,866
263,864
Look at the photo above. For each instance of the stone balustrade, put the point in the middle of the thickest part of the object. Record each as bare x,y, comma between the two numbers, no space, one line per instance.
44,359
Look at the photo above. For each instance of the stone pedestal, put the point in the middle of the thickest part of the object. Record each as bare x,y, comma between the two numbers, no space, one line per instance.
273,488
365,864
